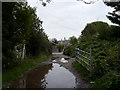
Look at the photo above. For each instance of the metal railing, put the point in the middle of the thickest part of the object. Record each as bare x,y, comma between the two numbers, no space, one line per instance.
84,58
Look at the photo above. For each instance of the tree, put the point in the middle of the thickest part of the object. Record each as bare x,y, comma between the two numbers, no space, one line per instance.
21,28
93,30
114,32
73,40
45,2
114,17
60,47
9,32
54,41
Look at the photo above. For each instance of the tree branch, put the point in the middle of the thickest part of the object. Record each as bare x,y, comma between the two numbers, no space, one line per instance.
90,2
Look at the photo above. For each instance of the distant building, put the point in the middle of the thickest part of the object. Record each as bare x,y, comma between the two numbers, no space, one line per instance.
55,42
65,42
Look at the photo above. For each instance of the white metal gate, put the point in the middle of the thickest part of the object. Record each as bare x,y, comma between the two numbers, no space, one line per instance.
84,58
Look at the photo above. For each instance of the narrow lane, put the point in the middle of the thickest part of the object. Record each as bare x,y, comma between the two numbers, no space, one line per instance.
54,73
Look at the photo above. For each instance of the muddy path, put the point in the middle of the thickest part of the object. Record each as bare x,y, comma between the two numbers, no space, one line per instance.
57,72
80,83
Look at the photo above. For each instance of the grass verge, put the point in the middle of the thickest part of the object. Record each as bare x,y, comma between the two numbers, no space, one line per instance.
82,71
19,70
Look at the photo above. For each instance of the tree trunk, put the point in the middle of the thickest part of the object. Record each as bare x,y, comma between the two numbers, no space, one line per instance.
23,52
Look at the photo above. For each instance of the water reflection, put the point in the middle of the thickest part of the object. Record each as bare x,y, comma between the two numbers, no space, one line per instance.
37,77
59,77
34,79
47,76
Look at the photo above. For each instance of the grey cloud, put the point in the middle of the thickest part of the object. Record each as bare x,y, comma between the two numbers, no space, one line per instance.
65,19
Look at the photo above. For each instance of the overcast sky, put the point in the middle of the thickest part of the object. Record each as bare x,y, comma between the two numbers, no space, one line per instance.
66,18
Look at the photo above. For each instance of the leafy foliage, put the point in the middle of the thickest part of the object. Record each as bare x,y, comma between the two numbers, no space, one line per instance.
94,30
22,26
73,40
105,45
70,51
60,47
114,17
109,80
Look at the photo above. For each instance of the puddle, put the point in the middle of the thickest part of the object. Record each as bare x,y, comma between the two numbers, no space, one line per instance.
59,77
63,60
47,76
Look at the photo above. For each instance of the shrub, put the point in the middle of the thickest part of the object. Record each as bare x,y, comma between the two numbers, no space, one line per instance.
109,80
60,47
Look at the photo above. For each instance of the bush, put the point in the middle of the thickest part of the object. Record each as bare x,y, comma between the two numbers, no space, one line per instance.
60,47
105,45
109,80
70,51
